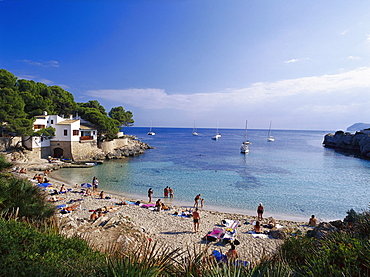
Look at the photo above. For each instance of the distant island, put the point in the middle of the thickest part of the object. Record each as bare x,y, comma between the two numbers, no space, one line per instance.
358,127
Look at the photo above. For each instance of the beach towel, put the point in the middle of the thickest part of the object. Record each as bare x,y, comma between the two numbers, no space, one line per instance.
229,235
228,223
148,205
255,235
215,234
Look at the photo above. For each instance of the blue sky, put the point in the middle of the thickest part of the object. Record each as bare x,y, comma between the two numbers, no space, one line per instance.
300,64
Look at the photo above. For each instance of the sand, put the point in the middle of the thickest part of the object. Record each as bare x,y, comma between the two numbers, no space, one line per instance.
174,231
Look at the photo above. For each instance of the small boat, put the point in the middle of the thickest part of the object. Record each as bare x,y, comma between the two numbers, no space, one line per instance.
217,136
244,148
151,133
195,133
270,138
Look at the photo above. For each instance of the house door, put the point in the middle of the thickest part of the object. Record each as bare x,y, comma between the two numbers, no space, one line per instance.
58,152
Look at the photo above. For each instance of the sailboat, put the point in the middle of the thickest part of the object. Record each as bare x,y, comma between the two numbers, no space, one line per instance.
151,133
195,133
270,137
217,136
245,144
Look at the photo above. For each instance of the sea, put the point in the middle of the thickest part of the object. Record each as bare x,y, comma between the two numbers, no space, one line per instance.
293,176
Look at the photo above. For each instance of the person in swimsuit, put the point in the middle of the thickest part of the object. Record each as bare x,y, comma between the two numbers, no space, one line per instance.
150,193
196,199
196,219
260,211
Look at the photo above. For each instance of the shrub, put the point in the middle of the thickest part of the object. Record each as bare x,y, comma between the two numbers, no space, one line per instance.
28,252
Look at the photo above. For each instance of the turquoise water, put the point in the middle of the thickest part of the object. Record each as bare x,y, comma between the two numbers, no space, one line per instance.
294,176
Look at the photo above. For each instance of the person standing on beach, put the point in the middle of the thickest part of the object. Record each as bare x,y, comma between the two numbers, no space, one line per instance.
196,199
150,194
196,219
201,202
260,211
166,190
95,184
171,192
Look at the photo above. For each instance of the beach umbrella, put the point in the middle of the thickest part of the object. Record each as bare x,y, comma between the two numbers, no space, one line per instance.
86,185
44,185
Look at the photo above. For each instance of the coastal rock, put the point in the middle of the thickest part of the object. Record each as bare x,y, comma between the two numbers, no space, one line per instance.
322,230
278,234
357,144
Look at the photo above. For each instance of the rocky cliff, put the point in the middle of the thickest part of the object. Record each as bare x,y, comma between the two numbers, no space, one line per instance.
357,143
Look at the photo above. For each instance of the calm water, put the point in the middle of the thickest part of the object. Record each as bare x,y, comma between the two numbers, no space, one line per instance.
294,176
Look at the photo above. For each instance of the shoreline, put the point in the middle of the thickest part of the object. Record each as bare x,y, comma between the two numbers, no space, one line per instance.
165,228
222,209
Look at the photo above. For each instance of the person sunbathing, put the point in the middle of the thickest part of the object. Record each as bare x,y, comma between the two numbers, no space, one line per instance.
93,216
312,222
158,205
232,254
164,207
257,227
102,195
63,189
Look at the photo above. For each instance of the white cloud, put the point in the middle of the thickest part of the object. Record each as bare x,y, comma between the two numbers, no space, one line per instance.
292,61
312,98
51,63
152,98
344,32
296,60
353,57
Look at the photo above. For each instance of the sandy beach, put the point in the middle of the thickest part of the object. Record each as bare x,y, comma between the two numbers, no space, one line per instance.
163,227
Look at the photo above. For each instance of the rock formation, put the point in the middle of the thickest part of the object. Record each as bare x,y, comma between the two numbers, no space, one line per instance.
357,143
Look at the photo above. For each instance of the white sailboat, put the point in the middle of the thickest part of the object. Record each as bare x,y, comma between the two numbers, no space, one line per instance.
217,136
245,144
195,133
151,133
270,138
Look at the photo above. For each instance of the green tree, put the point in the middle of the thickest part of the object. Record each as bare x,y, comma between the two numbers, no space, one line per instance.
106,126
31,92
7,79
63,101
122,116
94,104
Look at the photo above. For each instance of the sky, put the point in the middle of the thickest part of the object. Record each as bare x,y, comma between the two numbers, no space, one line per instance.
302,65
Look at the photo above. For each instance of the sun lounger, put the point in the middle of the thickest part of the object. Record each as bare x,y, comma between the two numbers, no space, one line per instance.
215,234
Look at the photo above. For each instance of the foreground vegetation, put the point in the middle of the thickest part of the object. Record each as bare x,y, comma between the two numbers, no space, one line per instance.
30,245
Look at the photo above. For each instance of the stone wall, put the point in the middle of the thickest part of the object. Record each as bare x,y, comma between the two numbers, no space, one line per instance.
110,146
86,151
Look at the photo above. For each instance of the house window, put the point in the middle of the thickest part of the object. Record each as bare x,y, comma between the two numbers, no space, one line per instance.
65,132
94,133
52,121
76,132
38,126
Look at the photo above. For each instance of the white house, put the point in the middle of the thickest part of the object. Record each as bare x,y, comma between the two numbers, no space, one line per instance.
69,135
